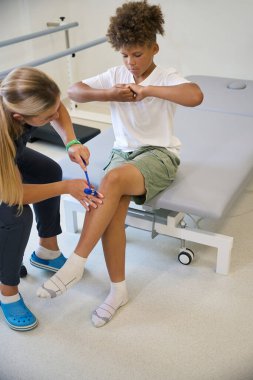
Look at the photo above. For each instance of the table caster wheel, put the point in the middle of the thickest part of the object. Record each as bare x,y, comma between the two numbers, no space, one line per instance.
185,256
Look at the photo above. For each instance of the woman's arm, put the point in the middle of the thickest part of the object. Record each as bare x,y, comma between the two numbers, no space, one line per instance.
33,193
63,126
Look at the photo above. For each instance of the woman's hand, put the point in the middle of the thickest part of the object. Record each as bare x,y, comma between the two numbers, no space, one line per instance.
75,187
77,153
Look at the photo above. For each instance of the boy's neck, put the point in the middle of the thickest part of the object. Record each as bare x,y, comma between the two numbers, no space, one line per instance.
145,74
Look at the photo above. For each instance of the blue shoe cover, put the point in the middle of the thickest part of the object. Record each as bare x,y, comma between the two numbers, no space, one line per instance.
53,265
18,316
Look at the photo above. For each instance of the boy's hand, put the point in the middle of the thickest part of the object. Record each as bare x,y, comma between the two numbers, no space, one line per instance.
122,93
138,91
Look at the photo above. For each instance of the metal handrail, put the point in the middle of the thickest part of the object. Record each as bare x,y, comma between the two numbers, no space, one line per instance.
37,34
58,55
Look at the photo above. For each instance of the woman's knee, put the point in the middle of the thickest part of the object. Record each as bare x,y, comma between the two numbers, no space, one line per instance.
54,172
26,215
15,229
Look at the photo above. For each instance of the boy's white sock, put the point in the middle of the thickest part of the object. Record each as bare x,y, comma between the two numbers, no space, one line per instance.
46,254
117,297
9,299
67,276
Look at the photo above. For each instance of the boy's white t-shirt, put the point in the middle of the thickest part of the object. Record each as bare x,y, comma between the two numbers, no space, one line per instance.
145,122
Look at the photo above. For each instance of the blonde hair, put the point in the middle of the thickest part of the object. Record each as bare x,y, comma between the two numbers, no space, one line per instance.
28,92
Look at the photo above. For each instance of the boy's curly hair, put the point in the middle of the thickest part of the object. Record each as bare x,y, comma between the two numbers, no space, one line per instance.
135,23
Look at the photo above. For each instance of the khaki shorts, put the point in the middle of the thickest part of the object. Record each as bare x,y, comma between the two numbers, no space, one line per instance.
157,165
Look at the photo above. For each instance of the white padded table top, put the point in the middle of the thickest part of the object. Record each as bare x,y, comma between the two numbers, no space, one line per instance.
216,162
218,97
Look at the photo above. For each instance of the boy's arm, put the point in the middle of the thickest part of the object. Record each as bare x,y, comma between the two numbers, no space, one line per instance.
82,93
186,94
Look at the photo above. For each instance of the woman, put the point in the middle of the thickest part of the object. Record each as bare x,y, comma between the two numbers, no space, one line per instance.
30,99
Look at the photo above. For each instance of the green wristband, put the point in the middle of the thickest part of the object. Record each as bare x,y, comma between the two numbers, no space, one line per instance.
72,142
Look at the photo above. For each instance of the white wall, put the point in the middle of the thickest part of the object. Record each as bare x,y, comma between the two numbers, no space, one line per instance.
202,36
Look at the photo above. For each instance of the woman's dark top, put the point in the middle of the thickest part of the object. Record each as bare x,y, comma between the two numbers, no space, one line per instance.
22,140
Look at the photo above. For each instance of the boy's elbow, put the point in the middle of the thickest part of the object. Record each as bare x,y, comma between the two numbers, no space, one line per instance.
72,92
198,96
76,92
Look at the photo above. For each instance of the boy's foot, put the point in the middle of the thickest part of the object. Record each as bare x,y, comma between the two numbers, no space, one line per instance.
67,276
117,297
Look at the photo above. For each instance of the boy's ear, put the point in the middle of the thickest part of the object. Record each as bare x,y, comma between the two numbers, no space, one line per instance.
18,117
156,48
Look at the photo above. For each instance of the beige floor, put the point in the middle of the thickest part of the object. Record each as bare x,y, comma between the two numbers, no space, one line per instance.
181,323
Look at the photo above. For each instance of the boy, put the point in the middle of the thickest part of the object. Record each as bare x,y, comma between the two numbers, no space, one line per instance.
145,155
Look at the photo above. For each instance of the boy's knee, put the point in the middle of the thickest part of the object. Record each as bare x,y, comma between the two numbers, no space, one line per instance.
112,179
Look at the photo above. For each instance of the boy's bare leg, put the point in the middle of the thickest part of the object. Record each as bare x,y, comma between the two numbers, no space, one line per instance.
114,242
124,180
114,245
